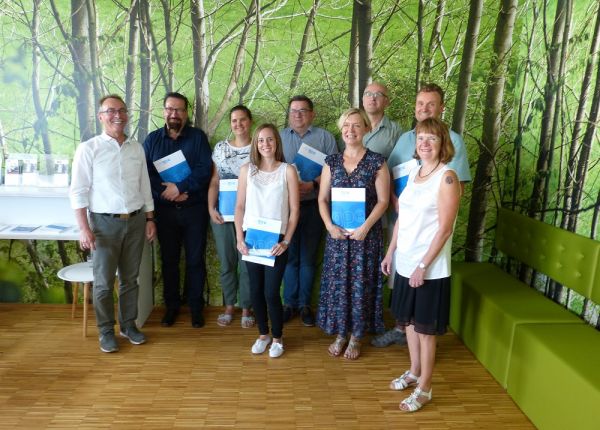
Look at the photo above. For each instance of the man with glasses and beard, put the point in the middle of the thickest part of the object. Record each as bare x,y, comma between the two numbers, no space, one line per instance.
181,207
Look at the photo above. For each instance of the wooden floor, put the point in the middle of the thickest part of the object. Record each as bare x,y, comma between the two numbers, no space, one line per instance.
50,377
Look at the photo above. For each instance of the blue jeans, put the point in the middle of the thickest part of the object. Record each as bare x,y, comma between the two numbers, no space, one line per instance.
299,275
176,227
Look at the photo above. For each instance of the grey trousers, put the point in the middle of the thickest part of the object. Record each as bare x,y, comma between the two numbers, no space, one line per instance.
119,245
230,260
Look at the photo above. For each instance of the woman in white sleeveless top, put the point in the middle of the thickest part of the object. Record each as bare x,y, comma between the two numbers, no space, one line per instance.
267,188
422,242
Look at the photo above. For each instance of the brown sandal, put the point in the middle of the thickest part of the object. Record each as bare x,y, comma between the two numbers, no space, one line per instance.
353,350
335,349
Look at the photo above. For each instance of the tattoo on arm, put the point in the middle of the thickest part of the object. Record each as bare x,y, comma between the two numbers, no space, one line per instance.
449,180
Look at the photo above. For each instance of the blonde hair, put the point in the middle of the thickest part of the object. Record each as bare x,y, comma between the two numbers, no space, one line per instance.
353,111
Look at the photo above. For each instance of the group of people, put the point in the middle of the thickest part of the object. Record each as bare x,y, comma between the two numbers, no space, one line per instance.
121,198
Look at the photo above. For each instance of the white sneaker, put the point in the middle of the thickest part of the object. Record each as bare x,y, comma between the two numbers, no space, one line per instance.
260,345
276,350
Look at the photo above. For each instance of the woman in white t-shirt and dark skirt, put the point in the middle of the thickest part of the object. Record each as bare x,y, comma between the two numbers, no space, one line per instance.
421,248
267,189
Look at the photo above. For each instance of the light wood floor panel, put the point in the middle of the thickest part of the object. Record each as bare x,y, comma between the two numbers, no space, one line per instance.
185,378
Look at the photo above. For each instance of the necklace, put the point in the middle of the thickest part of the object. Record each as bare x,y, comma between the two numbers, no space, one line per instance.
432,170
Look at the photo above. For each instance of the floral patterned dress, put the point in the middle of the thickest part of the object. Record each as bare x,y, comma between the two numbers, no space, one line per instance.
351,300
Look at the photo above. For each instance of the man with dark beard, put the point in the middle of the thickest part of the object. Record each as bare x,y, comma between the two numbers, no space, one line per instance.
181,206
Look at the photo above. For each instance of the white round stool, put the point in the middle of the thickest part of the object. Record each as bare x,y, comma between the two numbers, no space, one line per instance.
76,274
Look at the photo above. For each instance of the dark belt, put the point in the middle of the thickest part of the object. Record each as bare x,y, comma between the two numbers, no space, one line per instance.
123,216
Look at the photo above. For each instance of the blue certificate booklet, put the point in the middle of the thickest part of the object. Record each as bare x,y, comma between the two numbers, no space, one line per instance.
400,175
173,168
227,196
261,235
309,162
348,207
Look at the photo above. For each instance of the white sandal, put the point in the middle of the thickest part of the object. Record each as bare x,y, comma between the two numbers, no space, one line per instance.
411,402
404,381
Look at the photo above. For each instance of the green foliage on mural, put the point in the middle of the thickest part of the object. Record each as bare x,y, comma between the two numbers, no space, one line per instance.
244,55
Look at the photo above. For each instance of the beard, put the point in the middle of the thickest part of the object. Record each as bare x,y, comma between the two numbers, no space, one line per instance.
174,124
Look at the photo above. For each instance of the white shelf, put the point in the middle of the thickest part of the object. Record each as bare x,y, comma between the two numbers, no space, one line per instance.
25,191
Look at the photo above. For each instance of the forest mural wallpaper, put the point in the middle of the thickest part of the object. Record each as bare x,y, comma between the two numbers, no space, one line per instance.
522,83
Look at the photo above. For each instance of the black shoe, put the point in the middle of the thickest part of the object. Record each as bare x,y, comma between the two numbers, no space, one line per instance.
288,313
197,320
169,318
307,316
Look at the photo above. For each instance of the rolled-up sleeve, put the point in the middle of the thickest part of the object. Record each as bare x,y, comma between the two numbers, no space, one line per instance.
81,177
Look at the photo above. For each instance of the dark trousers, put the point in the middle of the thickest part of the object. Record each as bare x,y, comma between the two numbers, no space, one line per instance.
176,227
265,293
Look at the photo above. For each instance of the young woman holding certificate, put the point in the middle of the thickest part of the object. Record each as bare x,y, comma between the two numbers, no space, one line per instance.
422,243
353,196
267,195
228,157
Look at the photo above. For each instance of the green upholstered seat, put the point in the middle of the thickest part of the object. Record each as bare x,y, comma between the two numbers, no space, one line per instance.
554,375
493,305
459,271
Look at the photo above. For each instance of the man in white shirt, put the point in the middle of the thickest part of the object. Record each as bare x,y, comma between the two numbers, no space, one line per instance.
110,193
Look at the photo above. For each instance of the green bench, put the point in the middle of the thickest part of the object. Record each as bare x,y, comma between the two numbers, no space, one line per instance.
546,357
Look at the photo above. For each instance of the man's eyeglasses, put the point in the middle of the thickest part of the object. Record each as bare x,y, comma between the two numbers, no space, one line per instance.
174,110
299,111
111,111
376,94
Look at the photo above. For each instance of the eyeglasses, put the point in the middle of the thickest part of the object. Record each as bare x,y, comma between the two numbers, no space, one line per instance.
299,111
111,111
175,110
429,139
375,94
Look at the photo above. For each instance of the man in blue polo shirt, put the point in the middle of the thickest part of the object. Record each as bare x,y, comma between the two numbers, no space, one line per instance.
299,273
429,104
181,208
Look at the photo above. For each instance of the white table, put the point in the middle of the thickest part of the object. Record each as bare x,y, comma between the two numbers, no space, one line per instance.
26,206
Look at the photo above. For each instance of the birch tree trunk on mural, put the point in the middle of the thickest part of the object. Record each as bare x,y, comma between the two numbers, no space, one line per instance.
145,72
523,112
584,156
166,8
308,28
132,56
491,130
41,123
77,44
466,66
95,69
575,147
361,51
550,96
434,40
199,48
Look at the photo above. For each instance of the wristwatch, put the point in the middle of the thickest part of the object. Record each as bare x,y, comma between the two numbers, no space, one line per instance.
150,219
422,266
285,242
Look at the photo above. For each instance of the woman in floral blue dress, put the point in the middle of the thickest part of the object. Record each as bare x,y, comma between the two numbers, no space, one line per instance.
351,301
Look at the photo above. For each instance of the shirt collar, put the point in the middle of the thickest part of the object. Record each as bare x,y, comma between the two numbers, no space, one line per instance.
108,138
308,130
